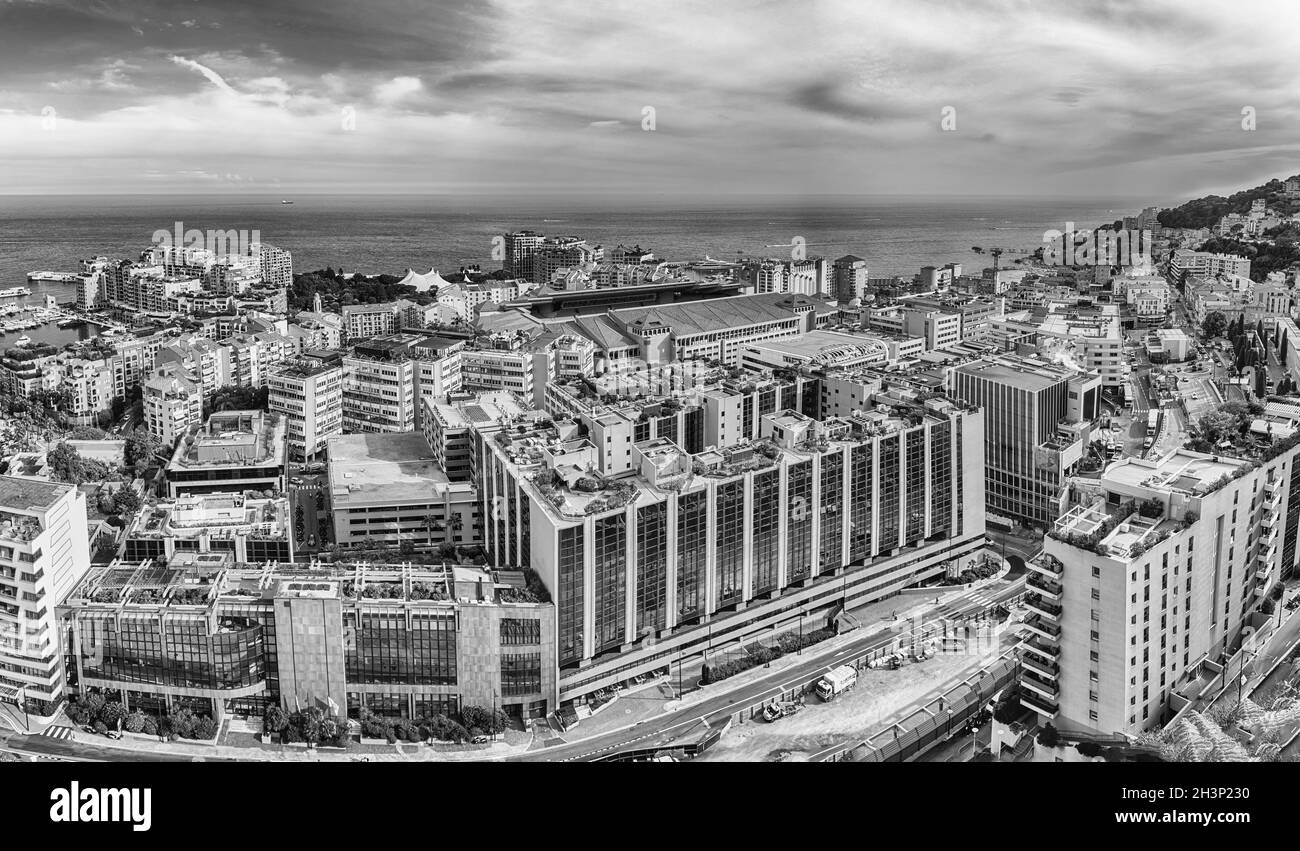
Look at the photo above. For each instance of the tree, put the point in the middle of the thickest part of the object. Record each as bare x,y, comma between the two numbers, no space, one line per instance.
112,714
128,501
275,720
1215,325
140,448
484,718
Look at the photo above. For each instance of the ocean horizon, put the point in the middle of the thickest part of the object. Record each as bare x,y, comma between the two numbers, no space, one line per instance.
378,234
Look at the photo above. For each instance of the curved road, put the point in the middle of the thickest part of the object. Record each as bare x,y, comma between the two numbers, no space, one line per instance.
688,722
660,732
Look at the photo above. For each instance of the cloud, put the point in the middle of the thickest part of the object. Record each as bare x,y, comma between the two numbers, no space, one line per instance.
212,76
398,89
837,96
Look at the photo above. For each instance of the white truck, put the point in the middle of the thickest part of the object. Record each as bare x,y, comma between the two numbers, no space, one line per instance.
837,682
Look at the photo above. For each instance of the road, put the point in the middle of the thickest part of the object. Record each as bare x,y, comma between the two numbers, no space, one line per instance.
715,710
75,751
660,731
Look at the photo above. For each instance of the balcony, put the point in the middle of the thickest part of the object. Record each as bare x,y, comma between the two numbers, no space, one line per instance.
1270,521
1048,611
1043,669
1265,556
1043,706
1046,566
1043,628
1041,687
1040,584
1044,649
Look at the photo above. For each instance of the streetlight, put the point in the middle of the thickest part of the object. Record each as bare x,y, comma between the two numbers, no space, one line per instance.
1241,672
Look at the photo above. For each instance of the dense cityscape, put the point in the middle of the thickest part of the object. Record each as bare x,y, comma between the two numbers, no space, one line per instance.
582,502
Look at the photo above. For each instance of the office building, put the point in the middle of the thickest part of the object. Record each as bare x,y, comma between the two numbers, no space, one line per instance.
234,452
220,638
696,550
1037,418
388,490
252,529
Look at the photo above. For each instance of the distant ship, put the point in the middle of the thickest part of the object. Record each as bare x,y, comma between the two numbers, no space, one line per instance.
286,202
14,291
57,277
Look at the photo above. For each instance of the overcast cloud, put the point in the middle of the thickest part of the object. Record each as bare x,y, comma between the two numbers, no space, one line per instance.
748,97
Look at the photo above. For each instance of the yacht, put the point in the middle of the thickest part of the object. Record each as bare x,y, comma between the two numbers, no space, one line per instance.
24,340
15,291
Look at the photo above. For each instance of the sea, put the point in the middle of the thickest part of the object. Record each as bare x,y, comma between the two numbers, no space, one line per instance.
390,234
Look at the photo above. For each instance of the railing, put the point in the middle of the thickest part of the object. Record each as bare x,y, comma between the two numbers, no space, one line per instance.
925,727
1037,624
1039,704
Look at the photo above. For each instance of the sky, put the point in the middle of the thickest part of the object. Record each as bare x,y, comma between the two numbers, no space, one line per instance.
1103,98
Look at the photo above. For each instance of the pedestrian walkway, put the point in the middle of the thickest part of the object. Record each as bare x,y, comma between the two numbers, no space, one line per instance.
58,731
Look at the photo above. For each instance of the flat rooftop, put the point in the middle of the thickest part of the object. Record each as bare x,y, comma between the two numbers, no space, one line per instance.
1030,373
385,469
22,494
1180,470
829,347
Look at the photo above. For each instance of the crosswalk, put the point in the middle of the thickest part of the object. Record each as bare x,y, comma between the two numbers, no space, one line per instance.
58,731
976,601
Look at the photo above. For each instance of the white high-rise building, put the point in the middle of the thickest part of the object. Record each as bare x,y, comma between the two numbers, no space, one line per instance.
44,552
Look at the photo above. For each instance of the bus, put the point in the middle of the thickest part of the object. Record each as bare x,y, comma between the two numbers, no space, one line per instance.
1153,422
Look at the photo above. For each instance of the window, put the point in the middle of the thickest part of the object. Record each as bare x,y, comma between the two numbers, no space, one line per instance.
521,674
521,631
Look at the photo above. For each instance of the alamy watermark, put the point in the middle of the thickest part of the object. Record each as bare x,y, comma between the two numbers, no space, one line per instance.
1097,247
91,804
220,243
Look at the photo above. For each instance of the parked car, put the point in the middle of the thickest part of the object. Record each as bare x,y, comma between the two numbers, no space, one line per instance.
479,740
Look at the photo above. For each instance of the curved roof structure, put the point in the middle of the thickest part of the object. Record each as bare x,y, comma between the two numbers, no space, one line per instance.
425,282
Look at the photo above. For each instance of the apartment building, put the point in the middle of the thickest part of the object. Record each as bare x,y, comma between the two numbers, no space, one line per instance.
523,369
849,278
520,249
1155,571
362,321
802,277
173,403
308,393
1204,264
379,388
87,388
275,264
44,552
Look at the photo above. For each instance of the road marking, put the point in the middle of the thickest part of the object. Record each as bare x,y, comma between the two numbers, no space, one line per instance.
58,732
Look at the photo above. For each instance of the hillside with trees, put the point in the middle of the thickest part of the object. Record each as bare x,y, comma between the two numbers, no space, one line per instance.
1206,212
